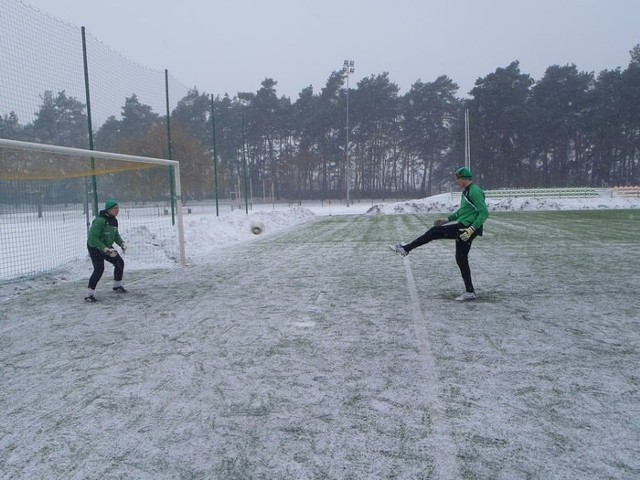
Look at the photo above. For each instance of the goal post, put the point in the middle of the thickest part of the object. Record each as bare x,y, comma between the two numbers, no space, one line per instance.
44,206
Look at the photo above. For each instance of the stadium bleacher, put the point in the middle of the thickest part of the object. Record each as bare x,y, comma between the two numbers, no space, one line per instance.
543,193
631,191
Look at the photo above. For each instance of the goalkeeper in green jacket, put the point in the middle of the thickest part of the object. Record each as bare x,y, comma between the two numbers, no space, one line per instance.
103,235
468,219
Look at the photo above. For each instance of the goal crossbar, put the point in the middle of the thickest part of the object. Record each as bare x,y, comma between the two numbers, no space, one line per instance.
43,147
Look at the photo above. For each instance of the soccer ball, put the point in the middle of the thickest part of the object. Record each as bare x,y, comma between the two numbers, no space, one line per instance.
257,227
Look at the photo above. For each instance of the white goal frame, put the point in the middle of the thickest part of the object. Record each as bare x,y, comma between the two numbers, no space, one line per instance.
56,149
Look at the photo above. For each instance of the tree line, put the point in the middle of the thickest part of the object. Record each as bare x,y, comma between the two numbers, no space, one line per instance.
570,128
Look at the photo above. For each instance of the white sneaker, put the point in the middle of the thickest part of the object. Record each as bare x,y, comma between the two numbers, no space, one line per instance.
399,249
466,296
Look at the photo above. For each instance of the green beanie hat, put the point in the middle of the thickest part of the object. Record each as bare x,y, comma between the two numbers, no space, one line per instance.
109,204
463,172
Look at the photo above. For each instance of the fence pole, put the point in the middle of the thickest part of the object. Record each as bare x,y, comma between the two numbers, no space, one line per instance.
215,154
244,169
172,187
94,182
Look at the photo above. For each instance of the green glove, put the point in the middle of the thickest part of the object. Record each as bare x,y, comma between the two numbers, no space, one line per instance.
466,233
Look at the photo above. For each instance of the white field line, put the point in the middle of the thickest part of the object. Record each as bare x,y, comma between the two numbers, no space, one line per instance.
445,464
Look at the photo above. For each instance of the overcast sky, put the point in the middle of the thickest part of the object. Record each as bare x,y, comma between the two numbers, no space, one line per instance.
226,46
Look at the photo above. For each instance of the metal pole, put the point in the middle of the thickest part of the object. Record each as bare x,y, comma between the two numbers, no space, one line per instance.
94,183
215,155
348,68
244,169
467,141
346,149
170,150
183,257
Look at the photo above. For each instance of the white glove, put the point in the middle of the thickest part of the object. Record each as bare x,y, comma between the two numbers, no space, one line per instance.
124,248
111,252
440,221
466,233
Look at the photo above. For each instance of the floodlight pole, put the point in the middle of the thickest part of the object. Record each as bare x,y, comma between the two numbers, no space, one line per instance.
467,141
348,67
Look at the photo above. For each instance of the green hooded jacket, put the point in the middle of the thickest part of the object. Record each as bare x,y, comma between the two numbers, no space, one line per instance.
104,232
473,209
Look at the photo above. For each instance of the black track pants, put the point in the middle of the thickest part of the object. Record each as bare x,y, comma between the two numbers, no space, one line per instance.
452,232
98,258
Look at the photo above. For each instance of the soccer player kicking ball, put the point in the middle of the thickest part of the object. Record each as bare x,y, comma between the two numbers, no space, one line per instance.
468,225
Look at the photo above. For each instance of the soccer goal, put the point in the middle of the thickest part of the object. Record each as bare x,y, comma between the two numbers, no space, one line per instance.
50,194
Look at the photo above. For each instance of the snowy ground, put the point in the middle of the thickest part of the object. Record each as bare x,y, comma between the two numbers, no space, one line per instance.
312,352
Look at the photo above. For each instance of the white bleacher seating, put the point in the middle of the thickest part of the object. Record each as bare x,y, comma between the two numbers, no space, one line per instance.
543,192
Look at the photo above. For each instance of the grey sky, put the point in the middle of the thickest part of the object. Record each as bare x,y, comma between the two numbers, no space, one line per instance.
226,46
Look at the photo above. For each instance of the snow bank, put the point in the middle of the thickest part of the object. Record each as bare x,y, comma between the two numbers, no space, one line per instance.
446,202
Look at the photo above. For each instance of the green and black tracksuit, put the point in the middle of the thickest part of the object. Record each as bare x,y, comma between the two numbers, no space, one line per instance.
472,213
102,235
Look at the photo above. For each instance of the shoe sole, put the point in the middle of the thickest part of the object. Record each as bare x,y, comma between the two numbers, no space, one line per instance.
393,249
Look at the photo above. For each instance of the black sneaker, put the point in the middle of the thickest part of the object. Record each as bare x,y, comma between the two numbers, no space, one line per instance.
90,299
120,289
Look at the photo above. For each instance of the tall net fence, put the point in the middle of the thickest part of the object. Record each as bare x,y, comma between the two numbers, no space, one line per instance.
43,54
62,86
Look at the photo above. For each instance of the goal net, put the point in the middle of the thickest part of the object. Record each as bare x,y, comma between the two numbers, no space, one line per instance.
50,194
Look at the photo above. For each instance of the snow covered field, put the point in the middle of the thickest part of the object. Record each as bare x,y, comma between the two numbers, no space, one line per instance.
311,351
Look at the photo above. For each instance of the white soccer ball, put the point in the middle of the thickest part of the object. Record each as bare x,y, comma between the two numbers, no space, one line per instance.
257,227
